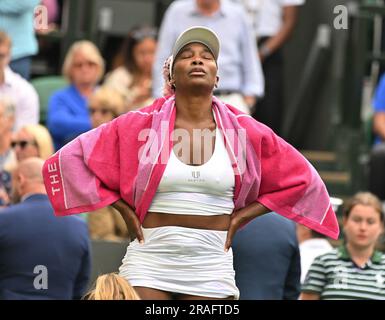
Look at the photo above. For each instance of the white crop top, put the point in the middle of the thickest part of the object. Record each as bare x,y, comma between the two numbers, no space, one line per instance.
207,189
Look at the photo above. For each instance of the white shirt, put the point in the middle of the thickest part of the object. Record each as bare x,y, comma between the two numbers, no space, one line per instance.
24,96
239,68
309,250
266,15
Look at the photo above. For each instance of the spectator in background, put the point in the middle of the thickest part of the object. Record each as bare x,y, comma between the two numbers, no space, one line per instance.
33,243
311,245
134,78
240,73
17,19
7,120
266,259
68,114
105,105
377,156
7,156
355,270
111,286
33,141
14,87
273,23
106,223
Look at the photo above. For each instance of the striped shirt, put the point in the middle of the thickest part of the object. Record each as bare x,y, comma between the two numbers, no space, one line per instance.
334,276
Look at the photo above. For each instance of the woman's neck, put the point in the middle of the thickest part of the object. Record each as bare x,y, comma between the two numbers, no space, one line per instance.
85,90
194,108
360,255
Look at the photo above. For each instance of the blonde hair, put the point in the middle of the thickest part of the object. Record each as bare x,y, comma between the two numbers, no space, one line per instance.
365,199
90,51
43,139
108,98
4,38
111,286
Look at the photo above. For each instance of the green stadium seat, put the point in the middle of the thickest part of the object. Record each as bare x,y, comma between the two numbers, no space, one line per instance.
45,86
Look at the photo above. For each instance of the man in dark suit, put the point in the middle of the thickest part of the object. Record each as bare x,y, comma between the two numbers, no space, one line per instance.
41,256
266,259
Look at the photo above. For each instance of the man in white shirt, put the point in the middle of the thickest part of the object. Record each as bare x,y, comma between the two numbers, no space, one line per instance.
17,89
240,73
311,245
273,22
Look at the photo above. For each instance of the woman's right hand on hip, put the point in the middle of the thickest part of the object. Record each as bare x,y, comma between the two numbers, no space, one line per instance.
131,220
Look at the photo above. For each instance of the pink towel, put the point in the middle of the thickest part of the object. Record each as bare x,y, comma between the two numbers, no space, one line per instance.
126,158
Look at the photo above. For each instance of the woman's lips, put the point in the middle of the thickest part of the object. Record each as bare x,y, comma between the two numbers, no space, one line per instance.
197,72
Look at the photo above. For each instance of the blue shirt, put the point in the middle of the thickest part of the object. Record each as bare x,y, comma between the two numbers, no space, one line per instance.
31,236
67,116
17,20
379,100
239,66
266,259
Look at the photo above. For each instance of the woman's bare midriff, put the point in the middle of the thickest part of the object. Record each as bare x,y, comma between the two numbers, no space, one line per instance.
160,219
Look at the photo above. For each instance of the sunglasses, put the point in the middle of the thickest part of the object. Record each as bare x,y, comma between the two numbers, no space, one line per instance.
89,64
22,143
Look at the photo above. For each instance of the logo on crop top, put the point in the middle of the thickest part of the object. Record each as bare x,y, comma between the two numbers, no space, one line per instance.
196,177
195,174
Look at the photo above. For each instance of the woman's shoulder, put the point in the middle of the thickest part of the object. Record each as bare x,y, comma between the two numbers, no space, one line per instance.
119,75
65,92
331,257
144,114
251,125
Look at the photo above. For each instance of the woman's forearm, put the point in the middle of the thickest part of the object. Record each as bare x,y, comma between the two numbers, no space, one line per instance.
119,205
252,211
130,218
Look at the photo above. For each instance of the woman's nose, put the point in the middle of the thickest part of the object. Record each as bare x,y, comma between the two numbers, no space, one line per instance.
197,61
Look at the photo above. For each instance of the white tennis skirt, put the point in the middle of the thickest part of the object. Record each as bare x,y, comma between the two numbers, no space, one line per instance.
181,260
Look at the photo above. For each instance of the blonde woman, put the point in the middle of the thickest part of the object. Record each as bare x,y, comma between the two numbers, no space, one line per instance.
105,105
355,270
68,114
112,287
32,141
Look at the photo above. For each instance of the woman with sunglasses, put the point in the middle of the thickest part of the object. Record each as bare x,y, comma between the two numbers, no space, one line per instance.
32,141
68,114
133,78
